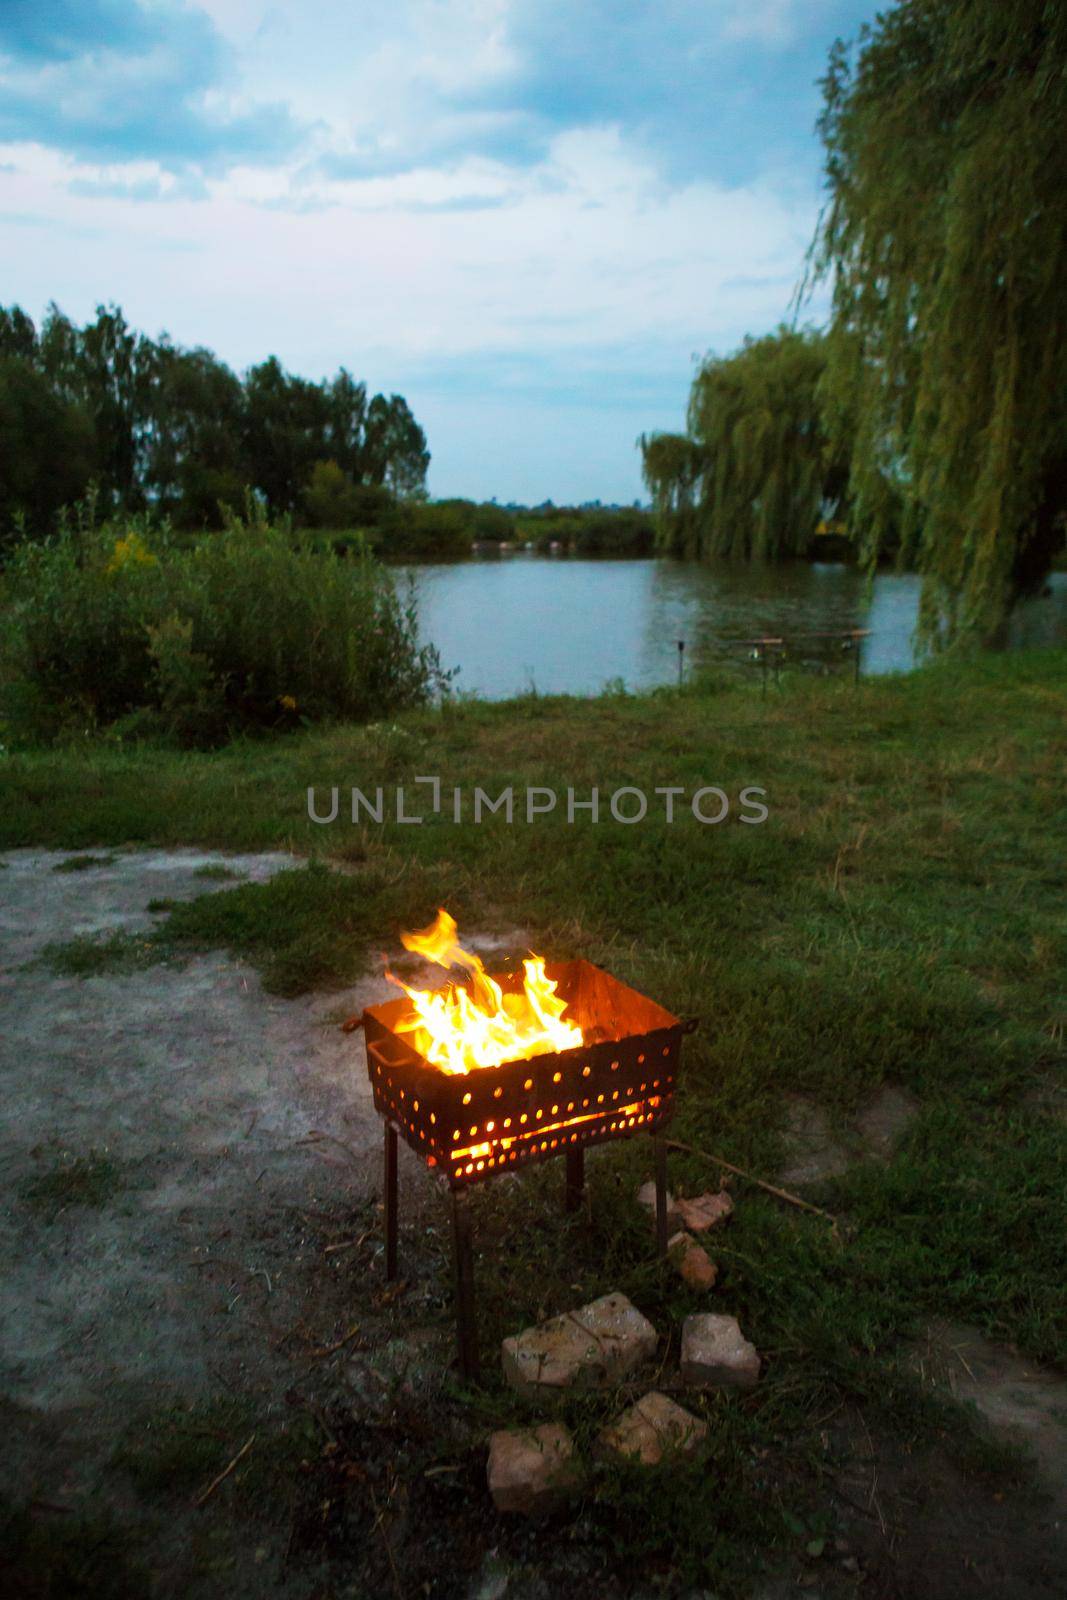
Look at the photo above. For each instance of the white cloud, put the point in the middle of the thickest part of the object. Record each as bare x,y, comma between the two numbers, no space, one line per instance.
519,295
586,250
768,21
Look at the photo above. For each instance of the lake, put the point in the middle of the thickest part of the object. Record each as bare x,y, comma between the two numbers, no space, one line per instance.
566,626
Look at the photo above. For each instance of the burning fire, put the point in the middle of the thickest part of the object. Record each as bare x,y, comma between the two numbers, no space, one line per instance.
475,1024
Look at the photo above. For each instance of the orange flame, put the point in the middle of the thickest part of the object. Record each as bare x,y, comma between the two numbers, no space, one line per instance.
462,1027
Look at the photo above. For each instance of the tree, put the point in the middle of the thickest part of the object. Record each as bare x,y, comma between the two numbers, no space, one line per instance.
47,449
946,238
346,409
753,475
672,465
194,462
285,431
175,430
395,452
112,374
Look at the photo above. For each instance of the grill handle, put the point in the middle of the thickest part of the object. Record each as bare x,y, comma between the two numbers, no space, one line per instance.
690,1024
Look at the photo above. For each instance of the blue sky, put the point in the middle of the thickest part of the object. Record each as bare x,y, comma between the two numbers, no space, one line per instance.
527,216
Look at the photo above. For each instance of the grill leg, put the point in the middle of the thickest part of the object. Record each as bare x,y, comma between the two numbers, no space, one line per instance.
575,1178
390,1201
467,1337
661,1194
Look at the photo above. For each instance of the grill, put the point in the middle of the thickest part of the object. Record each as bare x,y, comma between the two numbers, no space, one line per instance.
469,1127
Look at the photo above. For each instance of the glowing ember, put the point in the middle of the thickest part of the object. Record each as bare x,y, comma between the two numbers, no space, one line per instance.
465,1026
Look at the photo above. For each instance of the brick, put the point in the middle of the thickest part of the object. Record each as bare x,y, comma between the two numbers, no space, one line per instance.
695,1267
532,1471
705,1211
716,1355
596,1345
652,1428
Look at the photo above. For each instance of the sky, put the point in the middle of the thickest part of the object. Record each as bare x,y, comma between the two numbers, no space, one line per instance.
529,217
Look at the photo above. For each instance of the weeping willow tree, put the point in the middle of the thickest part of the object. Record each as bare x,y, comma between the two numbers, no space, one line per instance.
946,238
754,473
673,467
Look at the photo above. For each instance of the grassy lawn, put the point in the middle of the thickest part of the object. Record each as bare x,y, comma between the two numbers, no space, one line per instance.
899,919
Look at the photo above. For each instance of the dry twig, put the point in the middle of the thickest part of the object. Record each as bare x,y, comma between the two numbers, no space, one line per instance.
779,1194
201,1499
380,1525
329,1349
347,1244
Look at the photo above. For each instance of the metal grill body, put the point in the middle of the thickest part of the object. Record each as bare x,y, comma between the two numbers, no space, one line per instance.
475,1125
472,1126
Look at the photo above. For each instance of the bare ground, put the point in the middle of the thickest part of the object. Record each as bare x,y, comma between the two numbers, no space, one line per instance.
240,1233
238,1136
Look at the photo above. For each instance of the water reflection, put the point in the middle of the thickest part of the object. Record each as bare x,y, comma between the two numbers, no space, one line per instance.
570,626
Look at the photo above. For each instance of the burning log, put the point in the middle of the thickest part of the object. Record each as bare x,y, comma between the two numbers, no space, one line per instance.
484,1076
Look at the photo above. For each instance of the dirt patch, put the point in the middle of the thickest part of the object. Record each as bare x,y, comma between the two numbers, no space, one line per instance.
818,1150
919,1528
1024,1403
238,1222
884,1119
911,1525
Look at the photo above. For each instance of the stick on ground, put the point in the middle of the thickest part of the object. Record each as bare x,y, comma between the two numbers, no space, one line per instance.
779,1194
201,1499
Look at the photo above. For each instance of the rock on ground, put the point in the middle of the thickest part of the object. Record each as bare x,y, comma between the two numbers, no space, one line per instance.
695,1267
646,1196
652,1428
716,1355
532,1470
703,1212
595,1345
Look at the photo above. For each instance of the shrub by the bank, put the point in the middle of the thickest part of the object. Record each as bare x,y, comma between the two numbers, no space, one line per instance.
251,629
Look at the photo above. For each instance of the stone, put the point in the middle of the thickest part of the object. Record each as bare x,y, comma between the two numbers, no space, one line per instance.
646,1196
596,1345
705,1211
695,1266
652,1428
532,1470
716,1355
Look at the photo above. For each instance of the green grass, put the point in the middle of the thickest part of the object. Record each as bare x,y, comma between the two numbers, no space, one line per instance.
82,863
899,919
217,870
101,955
73,1180
177,1451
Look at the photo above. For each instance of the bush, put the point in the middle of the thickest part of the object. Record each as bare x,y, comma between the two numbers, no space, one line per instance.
331,499
250,629
436,528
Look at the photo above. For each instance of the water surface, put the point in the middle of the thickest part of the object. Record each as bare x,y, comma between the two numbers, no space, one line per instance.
568,626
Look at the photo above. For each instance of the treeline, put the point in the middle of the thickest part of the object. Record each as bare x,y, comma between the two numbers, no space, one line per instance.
451,529
141,425
931,417
150,426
